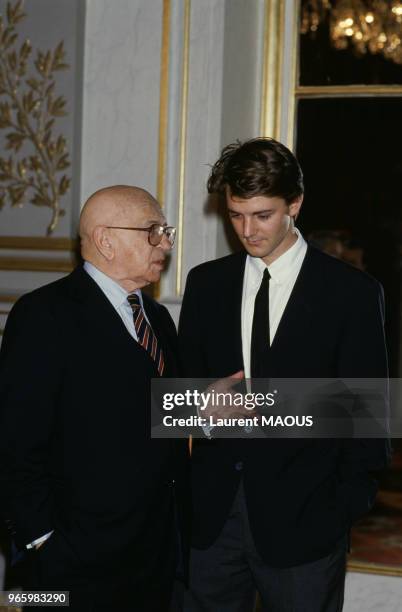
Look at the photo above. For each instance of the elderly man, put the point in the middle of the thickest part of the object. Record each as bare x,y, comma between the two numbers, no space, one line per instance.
87,492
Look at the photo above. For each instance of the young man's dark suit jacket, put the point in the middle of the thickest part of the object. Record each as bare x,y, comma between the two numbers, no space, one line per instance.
76,454
302,495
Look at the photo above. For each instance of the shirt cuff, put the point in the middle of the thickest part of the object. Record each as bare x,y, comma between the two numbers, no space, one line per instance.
39,540
205,428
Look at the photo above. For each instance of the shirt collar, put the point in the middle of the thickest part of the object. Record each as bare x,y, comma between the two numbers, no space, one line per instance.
281,269
113,291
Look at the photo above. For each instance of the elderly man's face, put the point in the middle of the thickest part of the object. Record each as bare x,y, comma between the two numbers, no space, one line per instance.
136,260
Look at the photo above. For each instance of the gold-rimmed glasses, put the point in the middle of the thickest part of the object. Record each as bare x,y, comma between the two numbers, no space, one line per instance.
155,232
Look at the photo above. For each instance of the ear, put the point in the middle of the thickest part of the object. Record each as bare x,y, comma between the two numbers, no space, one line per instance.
294,207
103,242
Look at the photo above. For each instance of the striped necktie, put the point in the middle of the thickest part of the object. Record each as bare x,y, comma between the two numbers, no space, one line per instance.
145,335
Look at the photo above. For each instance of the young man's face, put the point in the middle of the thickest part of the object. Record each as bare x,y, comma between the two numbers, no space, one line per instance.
264,224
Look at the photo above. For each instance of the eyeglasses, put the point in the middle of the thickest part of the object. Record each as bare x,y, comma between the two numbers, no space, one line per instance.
155,232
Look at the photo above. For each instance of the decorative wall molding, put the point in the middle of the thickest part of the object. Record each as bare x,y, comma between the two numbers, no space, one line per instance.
274,14
163,102
37,243
291,71
8,298
28,259
31,105
191,137
183,143
346,91
36,264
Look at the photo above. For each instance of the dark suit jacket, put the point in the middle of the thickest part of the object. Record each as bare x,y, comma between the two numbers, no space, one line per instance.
76,454
302,494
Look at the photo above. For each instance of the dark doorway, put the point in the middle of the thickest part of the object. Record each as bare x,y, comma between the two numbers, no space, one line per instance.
351,154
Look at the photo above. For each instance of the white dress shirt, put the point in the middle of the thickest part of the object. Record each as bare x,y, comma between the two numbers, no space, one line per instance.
117,296
284,272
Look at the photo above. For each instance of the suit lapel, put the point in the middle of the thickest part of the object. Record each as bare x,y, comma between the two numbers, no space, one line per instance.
232,292
95,306
151,309
295,324
101,317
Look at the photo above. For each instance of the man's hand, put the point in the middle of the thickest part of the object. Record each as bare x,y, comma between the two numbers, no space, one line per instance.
225,410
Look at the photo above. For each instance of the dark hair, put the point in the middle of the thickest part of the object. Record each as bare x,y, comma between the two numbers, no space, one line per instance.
261,166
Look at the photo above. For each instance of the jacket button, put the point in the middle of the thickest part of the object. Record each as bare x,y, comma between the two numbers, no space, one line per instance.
239,466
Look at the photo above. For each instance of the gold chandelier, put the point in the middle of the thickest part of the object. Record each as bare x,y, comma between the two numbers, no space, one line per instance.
373,26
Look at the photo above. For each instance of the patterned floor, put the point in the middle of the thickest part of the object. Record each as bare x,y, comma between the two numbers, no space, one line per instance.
378,537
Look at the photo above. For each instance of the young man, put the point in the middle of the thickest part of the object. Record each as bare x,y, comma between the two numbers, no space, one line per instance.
274,514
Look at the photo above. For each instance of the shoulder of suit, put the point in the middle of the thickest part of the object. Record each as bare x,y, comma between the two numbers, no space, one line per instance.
219,266
335,269
342,272
46,293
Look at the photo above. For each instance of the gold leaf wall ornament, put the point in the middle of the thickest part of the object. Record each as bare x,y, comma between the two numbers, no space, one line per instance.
29,108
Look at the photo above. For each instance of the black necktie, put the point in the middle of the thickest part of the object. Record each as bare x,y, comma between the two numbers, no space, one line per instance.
145,335
260,339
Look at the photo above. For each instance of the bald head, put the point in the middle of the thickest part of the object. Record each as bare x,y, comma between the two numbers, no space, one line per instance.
111,238
114,205
111,205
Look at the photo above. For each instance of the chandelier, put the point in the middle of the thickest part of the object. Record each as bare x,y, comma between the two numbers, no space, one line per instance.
367,26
